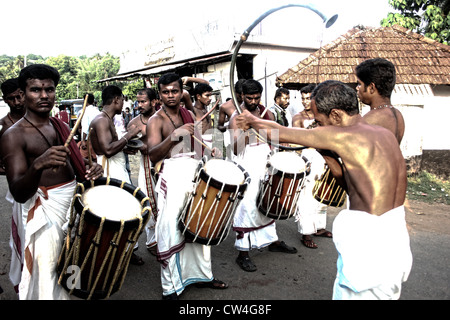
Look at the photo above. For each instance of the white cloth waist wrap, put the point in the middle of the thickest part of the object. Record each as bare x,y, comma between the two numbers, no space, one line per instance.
373,250
47,212
115,166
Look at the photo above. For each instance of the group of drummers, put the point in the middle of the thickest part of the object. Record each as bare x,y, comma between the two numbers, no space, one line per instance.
192,192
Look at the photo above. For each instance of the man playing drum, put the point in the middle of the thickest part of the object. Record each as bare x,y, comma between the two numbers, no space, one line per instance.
254,230
170,139
41,175
374,266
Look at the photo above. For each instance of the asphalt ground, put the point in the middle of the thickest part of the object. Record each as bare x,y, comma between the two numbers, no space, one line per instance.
282,281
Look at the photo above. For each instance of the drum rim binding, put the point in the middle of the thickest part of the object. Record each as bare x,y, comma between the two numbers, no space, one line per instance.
69,244
296,176
133,190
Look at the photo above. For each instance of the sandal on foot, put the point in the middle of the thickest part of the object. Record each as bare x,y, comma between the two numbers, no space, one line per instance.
136,260
309,243
214,284
245,263
324,233
282,247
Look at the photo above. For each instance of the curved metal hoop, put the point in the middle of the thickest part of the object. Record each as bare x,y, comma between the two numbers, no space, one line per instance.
328,23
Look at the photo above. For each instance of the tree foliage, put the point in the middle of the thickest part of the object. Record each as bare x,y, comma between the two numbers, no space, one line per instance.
78,74
427,17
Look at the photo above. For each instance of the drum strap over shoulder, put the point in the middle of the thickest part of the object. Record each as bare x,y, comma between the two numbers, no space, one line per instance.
75,156
187,118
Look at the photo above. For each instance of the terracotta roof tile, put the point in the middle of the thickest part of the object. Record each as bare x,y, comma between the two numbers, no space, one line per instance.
418,59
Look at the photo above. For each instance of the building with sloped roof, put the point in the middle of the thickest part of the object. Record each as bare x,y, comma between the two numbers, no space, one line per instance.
422,91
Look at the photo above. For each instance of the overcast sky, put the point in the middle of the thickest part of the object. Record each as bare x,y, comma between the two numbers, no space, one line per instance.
86,27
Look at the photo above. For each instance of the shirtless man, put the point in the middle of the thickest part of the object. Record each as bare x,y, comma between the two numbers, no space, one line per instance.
186,98
227,109
182,263
376,81
253,230
41,174
203,93
14,98
305,118
374,266
104,139
146,99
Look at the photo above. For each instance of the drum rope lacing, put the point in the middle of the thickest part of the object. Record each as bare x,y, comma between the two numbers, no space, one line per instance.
72,253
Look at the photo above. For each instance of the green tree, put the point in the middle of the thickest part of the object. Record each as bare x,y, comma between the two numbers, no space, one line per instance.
427,17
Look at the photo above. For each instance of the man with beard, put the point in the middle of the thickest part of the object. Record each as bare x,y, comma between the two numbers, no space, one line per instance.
146,100
170,139
253,229
279,109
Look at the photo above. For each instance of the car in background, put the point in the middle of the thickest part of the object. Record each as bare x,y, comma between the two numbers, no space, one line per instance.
73,107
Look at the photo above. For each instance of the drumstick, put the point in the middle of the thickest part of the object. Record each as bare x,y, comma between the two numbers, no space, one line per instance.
203,144
75,127
89,153
77,124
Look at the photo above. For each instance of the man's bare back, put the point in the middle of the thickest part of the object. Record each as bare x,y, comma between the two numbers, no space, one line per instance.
389,118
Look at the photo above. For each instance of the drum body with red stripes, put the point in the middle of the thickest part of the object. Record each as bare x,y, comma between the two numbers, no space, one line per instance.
106,220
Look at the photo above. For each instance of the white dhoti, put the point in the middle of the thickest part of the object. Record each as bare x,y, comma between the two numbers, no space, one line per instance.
181,263
374,254
47,212
147,184
254,230
16,241
311,214
115,167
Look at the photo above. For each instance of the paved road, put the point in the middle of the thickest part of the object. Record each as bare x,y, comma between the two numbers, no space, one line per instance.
306,275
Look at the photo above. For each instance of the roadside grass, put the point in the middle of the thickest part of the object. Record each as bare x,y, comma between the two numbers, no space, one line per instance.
428,188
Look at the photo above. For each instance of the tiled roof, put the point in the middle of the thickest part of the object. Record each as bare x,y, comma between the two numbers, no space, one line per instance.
418,60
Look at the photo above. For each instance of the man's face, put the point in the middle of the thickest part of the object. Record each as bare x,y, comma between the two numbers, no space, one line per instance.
283,100
171,94
15,101
40,95
320,118
306,101
361,90
144,103
205,98
252,101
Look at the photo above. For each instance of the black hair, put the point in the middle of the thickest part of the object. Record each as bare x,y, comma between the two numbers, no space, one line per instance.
38,71
380,72
202,88
109,93
169,78
9,86
151,93
280,91
251,87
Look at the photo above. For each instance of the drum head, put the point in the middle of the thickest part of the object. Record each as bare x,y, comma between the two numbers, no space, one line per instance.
288,162
224,171
111,202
